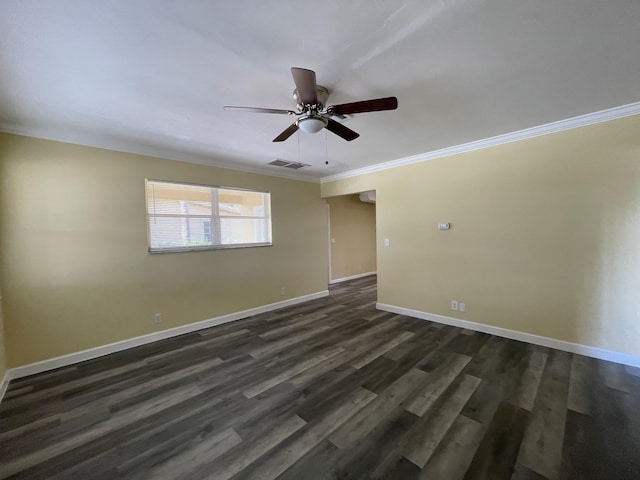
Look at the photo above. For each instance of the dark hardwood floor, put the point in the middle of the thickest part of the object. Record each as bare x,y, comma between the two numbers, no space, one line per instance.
330,389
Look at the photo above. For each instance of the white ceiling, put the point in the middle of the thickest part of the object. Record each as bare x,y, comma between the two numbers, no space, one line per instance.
152,76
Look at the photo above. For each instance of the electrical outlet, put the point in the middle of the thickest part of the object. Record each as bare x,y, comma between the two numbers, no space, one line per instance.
454,305
462,307
157,318
283,291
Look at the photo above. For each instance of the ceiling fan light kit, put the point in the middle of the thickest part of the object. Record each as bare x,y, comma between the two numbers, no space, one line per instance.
311,99
311,124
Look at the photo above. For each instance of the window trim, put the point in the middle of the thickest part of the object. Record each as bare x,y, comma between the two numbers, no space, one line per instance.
215,232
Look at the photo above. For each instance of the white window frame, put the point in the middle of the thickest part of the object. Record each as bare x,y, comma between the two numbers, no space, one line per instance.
215,219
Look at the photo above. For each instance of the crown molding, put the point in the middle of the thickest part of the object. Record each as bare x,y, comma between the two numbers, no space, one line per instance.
554,127
150,151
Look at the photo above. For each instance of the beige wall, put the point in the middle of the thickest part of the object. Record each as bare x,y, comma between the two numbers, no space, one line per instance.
3,360
75,269
353,227
3,354
545,235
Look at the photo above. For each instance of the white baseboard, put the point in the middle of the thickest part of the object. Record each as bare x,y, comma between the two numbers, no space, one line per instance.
586,350
76,357
4,385
352,277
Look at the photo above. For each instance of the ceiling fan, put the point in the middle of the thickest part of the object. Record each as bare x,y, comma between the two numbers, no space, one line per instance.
312,114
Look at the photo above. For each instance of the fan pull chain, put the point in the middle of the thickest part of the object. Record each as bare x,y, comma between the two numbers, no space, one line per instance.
326,156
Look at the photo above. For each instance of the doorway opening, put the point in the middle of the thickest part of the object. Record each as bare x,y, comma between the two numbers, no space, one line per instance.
352,236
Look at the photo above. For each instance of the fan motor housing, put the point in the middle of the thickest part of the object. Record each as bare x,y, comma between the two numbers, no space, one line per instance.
323,95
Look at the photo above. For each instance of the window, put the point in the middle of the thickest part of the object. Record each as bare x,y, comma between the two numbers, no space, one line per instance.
206,231
183,217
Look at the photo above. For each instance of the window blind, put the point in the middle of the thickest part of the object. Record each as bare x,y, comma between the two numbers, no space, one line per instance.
183,217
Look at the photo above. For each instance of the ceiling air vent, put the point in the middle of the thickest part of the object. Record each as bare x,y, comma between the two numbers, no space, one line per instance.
283,163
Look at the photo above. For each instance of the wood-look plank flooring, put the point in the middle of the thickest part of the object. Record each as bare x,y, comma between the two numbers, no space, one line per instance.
329,389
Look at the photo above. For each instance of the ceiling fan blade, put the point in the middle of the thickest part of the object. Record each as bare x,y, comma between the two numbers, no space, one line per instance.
375,105
341,130
290,130
230,108
305,81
